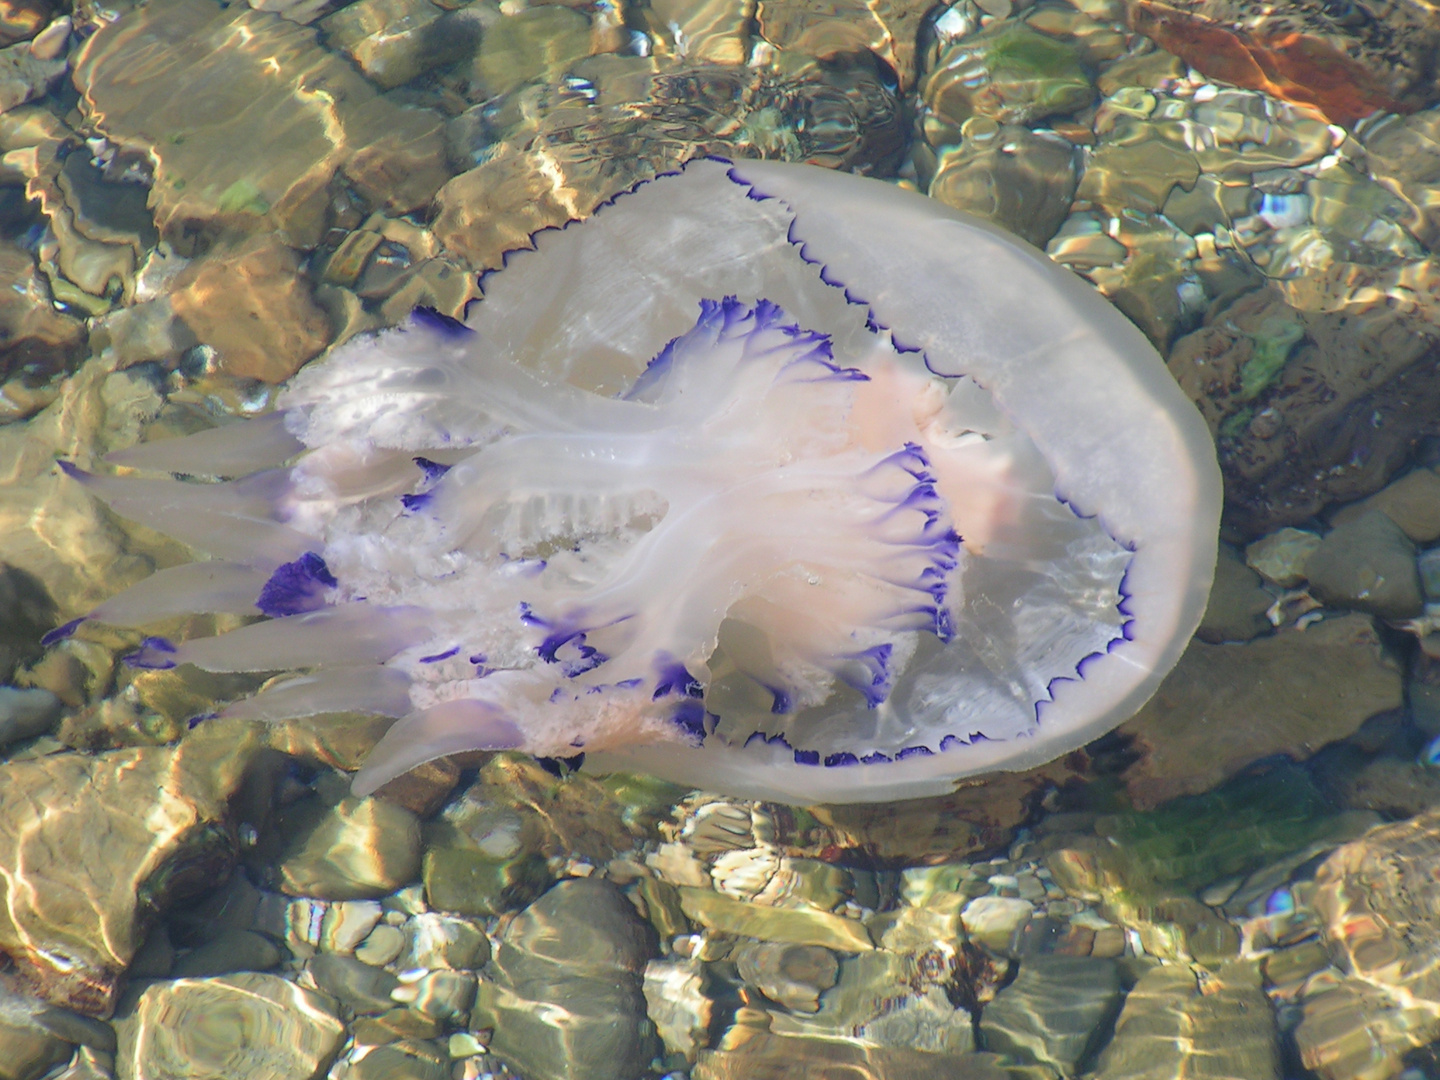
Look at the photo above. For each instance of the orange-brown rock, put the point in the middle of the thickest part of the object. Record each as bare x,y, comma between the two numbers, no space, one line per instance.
1305,51
252,306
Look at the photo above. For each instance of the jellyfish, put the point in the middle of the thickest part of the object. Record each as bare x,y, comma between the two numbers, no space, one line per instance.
765,479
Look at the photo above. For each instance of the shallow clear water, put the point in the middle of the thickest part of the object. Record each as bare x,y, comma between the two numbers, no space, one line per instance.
197,200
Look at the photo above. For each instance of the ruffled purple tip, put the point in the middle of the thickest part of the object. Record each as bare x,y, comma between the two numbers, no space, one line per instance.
689,716
60,633
440,323
154,654
297,587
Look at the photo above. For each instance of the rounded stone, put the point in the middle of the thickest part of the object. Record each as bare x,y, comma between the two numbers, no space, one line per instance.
407,1059
384,944
1367,565
443,941
363,989
231,951
236,1027
355,850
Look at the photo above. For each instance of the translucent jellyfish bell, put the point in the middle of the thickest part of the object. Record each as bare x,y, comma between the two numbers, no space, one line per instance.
767,479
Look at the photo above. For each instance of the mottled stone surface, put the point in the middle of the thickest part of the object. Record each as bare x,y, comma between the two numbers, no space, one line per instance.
1172,1025
1225,706
758,1055
1367,564
1348,62
1412,502
188,82
578,953
34,337
92,845
1237,606
1376,898
1053,1011
35,1037
351,850
254,307
792,926
1317,391
236,1027
804,30
1022,181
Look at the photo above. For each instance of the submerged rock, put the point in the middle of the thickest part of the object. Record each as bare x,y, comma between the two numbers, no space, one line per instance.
185,83
1020,180
240,1027
1347,61
1236,611
1412,502
253,306
1053,1012
1287,694
1175,1024
752,1054
1008,73
352,850
94,845
1367,564
1376,898
577,952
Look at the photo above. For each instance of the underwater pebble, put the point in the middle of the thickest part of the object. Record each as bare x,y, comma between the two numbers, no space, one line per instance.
347,923
26,713
393,1025
758,1053
677,1004
996,921
1236,611
26,611
1022,181
1049,1013
985,75
391,155
466,881
1169,1026
1376,900
792,975
363,989
382,946
405,1059
394,41
581,948
353,850
1428,565
445,995
126,816
1290,693
1367,564
29,1041
792,926
887,999
213,1027
442,941
1412,502
1282,556
254,307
